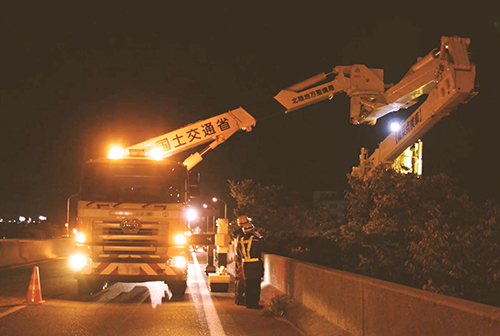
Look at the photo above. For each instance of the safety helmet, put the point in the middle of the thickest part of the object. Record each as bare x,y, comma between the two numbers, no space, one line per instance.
245,224
242,220
247,227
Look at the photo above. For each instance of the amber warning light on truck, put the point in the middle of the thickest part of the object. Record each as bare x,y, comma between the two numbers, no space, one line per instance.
117,152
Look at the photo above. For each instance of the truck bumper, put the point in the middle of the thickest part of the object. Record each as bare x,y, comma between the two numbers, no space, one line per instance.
129,271
130,278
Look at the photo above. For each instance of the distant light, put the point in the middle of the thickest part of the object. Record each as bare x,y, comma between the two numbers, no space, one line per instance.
116,153
214,199
205,206
395,126
1,220
42,218
22,219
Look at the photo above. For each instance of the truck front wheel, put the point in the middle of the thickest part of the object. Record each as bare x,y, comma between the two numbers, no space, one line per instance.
177,288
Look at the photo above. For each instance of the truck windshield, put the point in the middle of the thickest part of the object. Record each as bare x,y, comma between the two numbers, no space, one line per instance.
133,182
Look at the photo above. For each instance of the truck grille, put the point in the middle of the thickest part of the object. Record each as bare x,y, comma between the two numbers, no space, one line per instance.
108,237
118,231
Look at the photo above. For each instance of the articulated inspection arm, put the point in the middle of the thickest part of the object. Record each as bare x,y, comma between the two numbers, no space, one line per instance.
446,76
357,81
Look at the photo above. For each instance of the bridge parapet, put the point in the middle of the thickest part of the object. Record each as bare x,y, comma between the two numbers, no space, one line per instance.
361,305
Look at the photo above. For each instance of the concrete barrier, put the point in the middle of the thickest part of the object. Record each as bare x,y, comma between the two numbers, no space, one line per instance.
9,252
21,251
360,305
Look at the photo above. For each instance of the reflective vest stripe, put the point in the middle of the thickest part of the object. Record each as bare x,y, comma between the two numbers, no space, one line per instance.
250,260
246,246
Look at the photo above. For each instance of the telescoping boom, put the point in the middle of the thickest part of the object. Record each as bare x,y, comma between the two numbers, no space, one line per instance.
445,75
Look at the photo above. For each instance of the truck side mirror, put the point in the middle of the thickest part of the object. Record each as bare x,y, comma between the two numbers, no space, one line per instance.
194,184
70,219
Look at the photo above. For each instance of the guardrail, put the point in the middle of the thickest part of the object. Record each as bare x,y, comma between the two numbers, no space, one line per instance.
361,305
21,251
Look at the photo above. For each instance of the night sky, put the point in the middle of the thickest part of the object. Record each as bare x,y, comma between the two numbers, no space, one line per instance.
78,76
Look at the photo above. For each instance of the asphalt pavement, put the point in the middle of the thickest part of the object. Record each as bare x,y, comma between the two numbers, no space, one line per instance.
126,309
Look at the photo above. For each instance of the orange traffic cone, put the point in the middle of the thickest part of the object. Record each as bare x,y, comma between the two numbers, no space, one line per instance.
34,291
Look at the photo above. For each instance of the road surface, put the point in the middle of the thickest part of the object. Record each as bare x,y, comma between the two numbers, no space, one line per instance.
125,308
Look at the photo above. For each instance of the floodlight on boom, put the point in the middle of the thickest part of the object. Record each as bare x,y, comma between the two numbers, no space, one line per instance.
395,126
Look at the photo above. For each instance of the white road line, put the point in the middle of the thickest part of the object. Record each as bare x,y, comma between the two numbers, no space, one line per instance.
213,321
11,310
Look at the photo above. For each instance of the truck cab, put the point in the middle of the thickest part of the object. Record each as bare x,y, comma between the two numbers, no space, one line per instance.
132,224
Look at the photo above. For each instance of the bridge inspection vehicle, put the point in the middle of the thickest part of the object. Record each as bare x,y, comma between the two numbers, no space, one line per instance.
132,208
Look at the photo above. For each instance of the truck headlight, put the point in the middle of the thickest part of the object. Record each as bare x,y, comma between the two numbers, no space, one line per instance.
80,237
191,214
179,262
78,261
180,239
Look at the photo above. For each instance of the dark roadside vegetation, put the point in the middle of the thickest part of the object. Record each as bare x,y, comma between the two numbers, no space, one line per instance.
423,232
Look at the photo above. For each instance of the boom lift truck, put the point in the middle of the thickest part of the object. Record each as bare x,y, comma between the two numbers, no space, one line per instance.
132,223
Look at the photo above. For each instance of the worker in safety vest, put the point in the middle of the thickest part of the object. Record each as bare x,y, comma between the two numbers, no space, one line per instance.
239,279
249,248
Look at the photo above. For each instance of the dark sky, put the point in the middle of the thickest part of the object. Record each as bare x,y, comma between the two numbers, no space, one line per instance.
77,77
